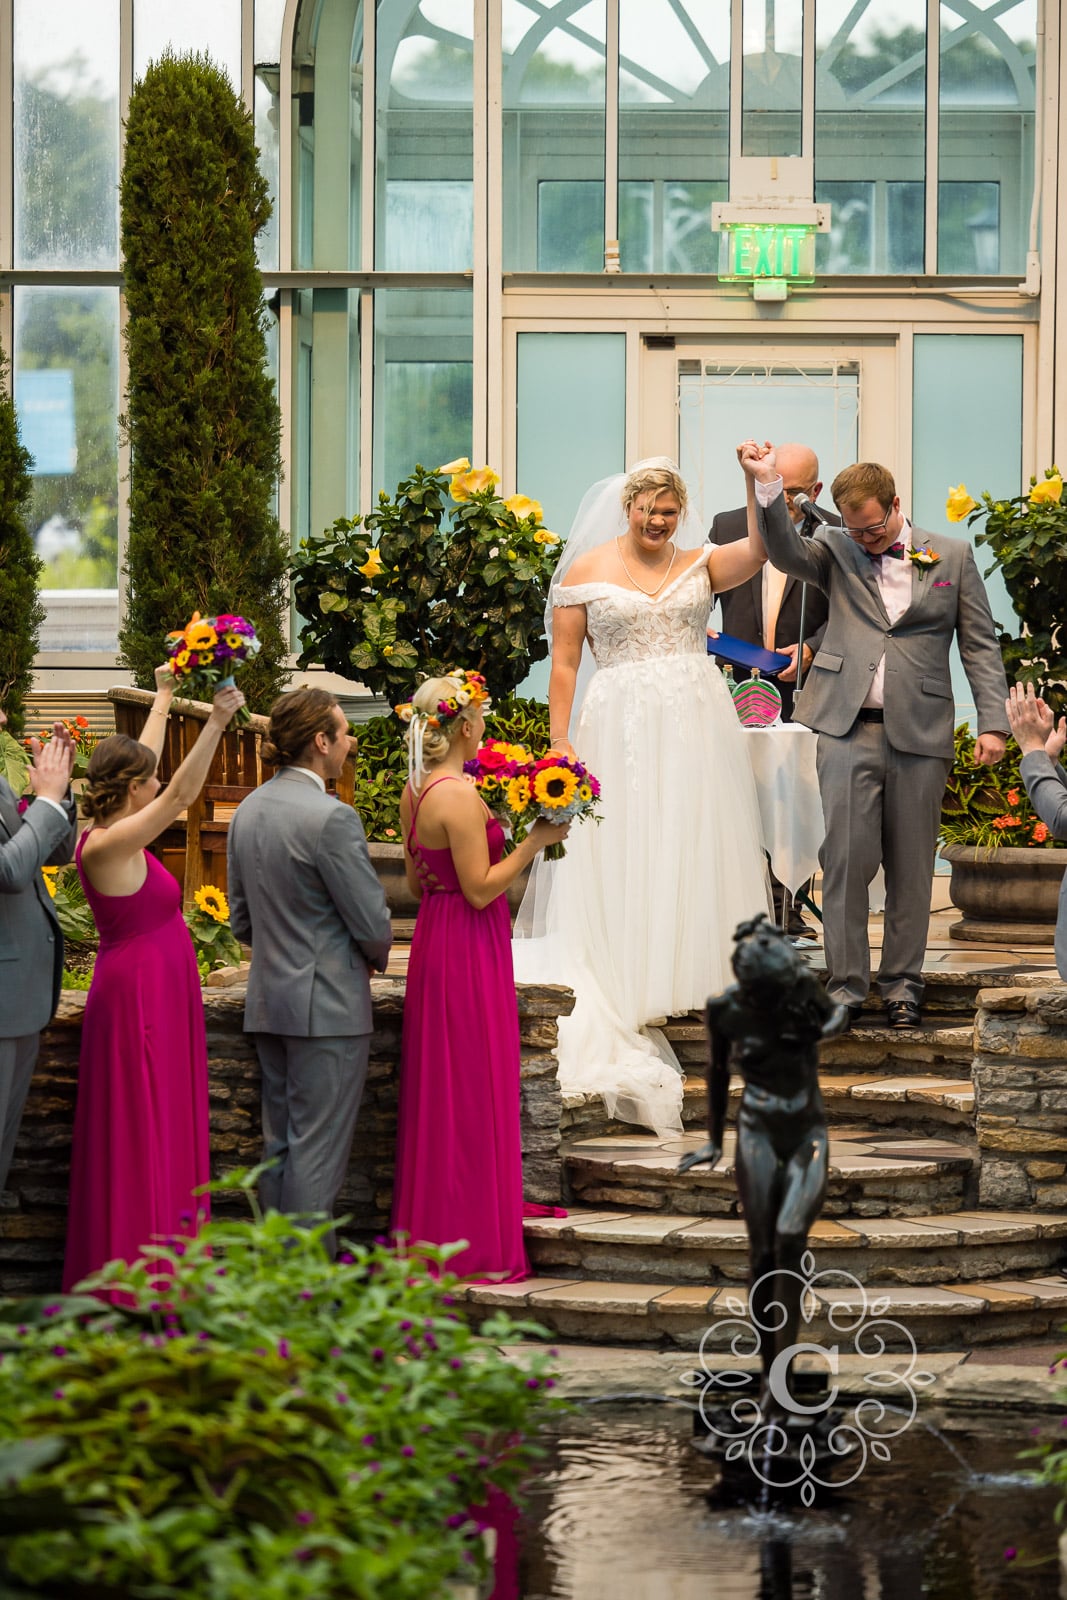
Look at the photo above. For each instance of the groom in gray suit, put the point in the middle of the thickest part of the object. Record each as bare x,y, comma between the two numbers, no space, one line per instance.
31,945
303,893
879,693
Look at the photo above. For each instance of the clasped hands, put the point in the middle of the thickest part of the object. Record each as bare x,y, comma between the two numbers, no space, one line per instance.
1032,722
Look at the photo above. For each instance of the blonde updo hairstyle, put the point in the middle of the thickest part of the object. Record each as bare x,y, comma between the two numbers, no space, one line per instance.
115,764
436,741
655,481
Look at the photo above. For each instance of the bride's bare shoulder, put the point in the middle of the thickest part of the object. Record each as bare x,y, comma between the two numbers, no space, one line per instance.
592,566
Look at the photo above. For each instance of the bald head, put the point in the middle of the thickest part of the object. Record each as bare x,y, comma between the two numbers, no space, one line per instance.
799,467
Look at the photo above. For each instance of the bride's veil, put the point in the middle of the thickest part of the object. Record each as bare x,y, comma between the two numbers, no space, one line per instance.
600,517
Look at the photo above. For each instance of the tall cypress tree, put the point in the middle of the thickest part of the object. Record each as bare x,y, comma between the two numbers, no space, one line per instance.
21,611
202,417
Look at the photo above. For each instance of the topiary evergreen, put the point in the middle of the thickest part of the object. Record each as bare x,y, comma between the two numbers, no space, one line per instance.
202,416
21,611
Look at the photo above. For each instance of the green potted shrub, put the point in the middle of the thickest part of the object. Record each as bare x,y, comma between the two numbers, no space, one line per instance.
1006,867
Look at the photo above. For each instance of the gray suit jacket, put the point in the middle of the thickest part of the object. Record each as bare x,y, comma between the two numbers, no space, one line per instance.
948,601
303,893
31,945
1046,784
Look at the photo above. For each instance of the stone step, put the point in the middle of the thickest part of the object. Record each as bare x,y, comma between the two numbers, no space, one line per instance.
688,1316
950,1248
870,1175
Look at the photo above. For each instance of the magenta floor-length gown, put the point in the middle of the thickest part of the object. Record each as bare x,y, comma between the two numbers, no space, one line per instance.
459,1156
141,1127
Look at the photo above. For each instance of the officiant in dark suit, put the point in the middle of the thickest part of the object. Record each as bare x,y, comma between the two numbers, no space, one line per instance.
766,611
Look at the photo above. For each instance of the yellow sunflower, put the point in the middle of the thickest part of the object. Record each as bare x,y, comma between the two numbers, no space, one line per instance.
554,787
585,794
213,902
202,636
518,793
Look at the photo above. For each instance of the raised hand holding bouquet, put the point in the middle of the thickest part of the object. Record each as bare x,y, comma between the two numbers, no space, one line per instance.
562,790
204,654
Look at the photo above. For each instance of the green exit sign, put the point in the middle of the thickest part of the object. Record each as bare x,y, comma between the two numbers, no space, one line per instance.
749,251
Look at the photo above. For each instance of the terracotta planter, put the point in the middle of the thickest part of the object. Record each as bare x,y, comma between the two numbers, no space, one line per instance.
388,863
1008,895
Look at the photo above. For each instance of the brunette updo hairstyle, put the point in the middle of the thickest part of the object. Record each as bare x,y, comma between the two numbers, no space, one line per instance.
436,741
116,762
295,719
655,481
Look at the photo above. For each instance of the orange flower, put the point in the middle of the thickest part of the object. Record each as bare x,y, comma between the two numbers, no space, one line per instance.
1013,797
1040,833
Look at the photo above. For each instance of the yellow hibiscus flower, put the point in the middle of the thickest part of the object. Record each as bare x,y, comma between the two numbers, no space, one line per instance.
1047,492
473,481
554,787
451,468
524,507
959,504
372,566
212,902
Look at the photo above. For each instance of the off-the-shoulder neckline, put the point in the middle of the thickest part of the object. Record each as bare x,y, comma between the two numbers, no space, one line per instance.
605,583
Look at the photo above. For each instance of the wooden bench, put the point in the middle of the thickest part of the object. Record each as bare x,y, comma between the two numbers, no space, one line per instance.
194,849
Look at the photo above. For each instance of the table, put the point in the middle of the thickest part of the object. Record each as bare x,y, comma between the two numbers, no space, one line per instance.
787,788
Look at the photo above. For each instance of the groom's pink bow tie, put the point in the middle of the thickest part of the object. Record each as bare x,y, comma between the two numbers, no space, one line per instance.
895,550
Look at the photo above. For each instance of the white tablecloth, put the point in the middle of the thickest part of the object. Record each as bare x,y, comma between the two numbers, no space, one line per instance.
783,762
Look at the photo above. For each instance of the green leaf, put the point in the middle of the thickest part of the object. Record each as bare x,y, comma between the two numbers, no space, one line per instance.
14,762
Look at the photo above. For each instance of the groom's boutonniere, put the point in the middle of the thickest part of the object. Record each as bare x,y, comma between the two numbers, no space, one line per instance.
923,558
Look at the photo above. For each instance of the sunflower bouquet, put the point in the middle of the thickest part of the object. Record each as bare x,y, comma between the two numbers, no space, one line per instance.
501,775
562,790
521,791
204,654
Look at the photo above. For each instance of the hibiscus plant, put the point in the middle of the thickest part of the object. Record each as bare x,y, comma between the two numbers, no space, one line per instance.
444,574
1027,535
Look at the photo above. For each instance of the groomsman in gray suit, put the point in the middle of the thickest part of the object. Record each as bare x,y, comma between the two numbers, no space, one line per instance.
879,694
303,893
31,945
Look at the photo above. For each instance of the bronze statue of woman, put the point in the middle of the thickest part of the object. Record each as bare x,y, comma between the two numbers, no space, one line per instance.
767,1026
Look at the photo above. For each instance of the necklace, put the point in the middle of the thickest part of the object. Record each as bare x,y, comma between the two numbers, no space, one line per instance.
651,593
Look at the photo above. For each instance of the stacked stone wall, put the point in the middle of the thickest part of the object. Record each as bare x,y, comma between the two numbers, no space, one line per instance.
33,1209
1020,1084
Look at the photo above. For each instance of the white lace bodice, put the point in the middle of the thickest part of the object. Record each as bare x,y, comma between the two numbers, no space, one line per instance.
624,625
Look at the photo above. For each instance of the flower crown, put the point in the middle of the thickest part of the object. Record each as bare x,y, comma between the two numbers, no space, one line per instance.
473,692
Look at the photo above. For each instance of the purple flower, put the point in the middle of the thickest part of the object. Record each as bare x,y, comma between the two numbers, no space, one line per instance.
220,1272
374,1466
58,1394
456,1520
49,1311
203,1335
550,1383
346,1259
305,1518
283,1349
155,1306
533,1383
302,1554
186,1219
378,1354
367,1439
483,1462
59,1349
179,1249
405,1327
306,1294
455,1364
1010,1553
342,1398
335,1351
408,1450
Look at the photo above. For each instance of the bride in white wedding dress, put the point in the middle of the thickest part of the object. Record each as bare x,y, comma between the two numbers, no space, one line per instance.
638,918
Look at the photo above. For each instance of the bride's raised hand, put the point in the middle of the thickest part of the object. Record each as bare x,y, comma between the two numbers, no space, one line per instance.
562,747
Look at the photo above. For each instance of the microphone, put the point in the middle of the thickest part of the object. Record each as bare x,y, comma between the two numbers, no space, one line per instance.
810,510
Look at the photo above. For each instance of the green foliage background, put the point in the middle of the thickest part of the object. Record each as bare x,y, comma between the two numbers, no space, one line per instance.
202,417
21,611
976,798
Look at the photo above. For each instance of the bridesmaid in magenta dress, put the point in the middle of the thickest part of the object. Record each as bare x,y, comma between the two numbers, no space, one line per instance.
141,1127
459,1158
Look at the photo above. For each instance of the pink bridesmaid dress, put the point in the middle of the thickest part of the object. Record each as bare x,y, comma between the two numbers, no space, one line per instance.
459,1156
141,1127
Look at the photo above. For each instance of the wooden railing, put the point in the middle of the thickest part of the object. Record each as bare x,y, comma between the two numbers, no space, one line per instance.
194,849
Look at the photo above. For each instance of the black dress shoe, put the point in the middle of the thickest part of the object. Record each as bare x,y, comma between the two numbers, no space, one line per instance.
903,1013
854,1013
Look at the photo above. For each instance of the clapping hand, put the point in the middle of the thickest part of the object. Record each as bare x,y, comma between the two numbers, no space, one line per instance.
53,764
1033,723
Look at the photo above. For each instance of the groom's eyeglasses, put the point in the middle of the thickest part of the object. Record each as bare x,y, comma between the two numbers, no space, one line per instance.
873,527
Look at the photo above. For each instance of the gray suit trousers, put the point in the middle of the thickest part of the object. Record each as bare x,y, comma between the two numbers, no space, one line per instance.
17,1060
312,1090
882,806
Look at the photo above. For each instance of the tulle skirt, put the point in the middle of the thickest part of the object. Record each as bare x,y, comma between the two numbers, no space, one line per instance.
638,919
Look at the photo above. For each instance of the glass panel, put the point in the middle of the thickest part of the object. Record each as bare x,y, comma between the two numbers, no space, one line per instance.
423,380
425,88
267,26
870,98
570,428
66,133
328,137
986,146
65,367
967,409
211,26
268,79
674,98
326,430
771,77
553,135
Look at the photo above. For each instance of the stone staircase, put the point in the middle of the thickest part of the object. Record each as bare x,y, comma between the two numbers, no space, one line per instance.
646,1256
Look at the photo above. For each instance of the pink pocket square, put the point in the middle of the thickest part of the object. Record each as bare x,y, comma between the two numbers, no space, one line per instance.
943,583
